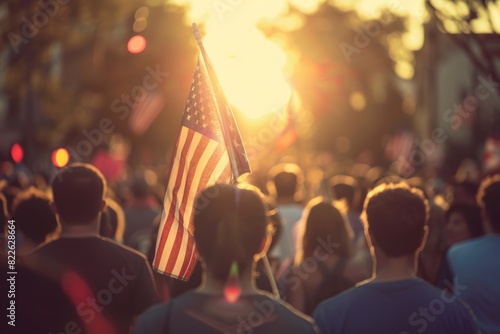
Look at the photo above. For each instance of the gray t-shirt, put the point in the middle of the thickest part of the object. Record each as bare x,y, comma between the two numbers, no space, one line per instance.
196,312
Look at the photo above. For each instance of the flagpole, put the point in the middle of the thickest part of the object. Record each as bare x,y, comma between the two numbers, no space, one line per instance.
231,153
213,77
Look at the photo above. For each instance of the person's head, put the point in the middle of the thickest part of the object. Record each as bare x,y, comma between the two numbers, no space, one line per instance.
285,182
230,224
345,188
488,199
139,188
323,221
33,216
465,191
463,221
78,192
112,224
395,217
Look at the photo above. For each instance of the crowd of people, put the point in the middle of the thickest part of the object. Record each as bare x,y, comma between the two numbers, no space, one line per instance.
356,255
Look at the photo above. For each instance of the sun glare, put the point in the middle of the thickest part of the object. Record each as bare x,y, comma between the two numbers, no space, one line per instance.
249,66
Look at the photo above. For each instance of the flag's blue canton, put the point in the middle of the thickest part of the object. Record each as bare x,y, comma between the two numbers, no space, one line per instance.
234,140
200,114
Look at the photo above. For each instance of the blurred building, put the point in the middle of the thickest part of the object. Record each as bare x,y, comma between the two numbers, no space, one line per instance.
457,104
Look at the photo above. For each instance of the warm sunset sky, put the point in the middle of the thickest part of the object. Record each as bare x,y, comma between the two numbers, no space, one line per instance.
239,50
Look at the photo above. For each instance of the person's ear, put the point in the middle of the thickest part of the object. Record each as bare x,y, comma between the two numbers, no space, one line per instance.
264,247
425,235
103,206
369,237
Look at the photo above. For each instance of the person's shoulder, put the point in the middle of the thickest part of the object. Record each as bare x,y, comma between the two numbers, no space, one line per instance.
465,246
115,246
151,320
300,322
348,296
460,314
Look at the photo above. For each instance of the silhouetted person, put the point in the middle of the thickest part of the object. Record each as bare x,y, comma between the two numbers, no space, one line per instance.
108,283
394,300
463,222
112,223
140,213
285,184
34,220
346,188
475,264
431,258
322,268
230,235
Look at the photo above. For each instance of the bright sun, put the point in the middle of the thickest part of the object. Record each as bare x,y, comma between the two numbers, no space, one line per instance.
249,66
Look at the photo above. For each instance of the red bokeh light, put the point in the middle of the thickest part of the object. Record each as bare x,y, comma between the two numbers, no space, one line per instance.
17,153
136,44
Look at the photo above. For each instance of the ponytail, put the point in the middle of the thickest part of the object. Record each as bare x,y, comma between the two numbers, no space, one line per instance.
229,229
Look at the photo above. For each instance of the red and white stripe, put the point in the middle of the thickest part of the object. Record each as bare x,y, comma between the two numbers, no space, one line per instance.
198,162
145,112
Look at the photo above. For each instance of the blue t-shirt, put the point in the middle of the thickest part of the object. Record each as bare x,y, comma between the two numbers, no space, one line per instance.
399,307
475,267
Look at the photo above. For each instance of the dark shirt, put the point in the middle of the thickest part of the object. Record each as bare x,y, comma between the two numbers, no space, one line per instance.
196,312
108,283
34,303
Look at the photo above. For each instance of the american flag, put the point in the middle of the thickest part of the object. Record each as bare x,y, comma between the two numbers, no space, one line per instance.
145,112
209,150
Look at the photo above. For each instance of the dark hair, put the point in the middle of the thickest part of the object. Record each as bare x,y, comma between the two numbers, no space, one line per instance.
472,215
487,198
33,215
112,224
345,187
396,216
139,188
229,225
323,220
285,179
78,192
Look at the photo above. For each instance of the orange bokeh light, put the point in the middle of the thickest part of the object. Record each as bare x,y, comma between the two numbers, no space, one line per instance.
60,157
136,44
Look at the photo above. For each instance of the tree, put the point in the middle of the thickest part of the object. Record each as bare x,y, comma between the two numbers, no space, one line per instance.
343,72
69,60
